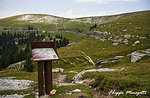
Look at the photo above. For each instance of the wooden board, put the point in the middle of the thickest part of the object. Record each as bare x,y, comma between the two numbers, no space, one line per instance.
44,54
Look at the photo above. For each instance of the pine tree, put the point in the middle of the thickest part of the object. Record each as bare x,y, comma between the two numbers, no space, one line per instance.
29,67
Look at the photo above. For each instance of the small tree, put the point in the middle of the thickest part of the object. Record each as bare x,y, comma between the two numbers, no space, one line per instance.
29,67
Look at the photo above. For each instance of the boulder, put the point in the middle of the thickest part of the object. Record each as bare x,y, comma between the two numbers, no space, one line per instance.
136,42
127,36
135,56
77,91
52,92
115,44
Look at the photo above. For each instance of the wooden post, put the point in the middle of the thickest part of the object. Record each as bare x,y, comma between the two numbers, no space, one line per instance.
44,52
48,76
40,78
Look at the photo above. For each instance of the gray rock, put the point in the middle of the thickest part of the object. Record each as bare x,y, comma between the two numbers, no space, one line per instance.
72,71
135,56
71,44
65,84
12,96
96,34
79,75
10,84
77,91
125,41
127,36
118,57
143,37
136,42
115,44
58,70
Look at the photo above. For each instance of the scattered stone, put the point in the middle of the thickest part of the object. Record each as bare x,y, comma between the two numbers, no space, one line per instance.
72,71
104,62
79,82
60,78
98,63
118,57
147,51
125,41
122,68
68,93
77,91
136,42
125,30
135,56
18,65
115,44
58,70
65,84
52,92
71,44
112,58
96,34
143,37
79,75
10,84
12,96
133,36
127,36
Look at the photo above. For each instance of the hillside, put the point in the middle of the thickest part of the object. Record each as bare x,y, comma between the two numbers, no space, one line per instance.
112,56
53,23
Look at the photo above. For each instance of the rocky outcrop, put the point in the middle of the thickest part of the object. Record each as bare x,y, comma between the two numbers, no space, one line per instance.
9,83
108,60
79,75
96,34
135,56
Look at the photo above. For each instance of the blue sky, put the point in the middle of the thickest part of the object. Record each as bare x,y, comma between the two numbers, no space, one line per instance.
71,8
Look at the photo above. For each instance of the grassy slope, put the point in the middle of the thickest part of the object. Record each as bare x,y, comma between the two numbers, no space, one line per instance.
135,77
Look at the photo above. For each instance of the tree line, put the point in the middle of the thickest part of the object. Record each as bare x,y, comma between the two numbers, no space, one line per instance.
14,46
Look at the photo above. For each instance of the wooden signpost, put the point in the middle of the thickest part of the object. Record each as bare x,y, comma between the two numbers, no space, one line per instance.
44,53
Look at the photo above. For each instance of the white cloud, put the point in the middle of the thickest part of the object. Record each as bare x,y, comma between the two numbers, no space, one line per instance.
104,1
71,14
68,14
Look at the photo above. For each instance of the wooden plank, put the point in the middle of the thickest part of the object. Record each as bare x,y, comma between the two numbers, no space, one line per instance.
48,76
40,78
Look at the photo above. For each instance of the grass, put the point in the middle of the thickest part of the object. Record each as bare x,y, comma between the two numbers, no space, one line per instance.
63,89
134,77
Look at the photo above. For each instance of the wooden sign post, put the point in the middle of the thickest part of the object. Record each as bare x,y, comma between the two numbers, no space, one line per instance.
44,53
